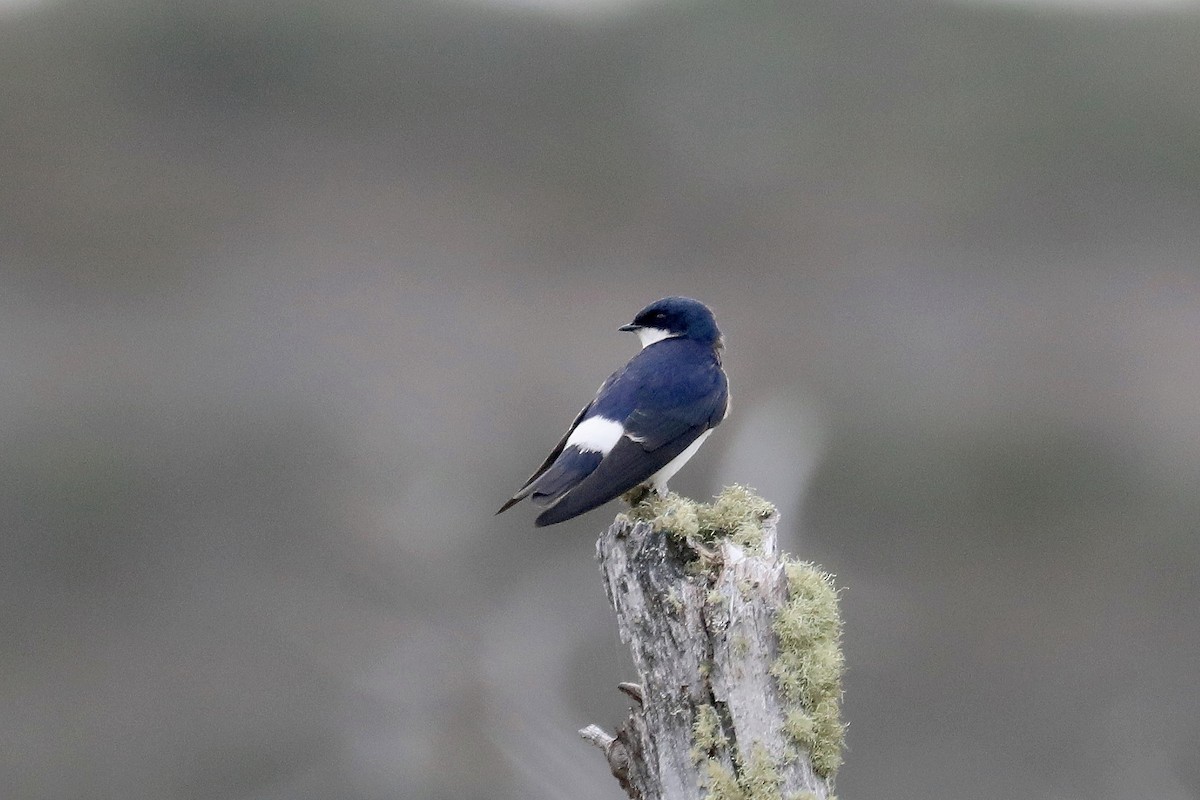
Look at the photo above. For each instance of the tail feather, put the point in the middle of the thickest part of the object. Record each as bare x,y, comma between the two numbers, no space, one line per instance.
568,507
512,501
567,471
571,467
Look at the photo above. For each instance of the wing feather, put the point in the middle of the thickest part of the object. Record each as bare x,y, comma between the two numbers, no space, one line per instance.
664,398
527,487
627,464
568,471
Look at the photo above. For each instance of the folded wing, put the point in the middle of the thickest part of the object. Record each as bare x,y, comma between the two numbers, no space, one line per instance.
627,465
671,410
643,417
527,487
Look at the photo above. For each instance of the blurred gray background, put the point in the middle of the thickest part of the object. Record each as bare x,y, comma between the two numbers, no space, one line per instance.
294,294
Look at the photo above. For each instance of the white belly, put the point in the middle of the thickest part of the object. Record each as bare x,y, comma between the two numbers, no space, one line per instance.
658,481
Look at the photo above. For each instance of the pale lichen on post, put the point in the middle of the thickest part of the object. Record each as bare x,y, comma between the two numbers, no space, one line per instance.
810,664
737,514
738,650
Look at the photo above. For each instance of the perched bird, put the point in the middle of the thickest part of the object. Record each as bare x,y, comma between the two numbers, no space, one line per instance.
646,421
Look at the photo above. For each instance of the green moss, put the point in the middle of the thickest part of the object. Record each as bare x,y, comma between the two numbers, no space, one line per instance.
757,780
801,728
720,782
737,513
740,646
707,735
709,739
760,778
674,601
810,664
809,667
674,514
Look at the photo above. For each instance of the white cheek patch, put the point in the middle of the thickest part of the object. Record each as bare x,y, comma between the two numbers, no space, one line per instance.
649,336
596,435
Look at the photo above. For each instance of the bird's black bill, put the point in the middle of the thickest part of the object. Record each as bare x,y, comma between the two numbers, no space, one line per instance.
630,327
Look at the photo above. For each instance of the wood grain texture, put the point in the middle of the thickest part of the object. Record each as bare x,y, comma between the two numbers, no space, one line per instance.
700,621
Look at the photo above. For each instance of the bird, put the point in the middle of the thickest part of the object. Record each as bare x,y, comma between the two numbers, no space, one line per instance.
646,421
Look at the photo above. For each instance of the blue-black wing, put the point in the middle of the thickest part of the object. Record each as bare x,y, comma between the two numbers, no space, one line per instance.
665,400
627,465
563,483
526,487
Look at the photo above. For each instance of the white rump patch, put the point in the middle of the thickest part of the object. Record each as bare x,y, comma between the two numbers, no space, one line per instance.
649,336
596,435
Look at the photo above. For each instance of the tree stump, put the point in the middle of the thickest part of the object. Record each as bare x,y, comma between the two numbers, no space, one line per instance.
737,650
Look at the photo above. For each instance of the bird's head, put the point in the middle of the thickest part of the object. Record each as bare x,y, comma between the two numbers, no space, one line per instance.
675,317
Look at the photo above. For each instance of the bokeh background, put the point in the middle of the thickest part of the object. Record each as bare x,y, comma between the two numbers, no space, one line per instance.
294,294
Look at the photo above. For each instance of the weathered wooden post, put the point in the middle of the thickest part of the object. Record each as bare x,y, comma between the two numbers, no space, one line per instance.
737,649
